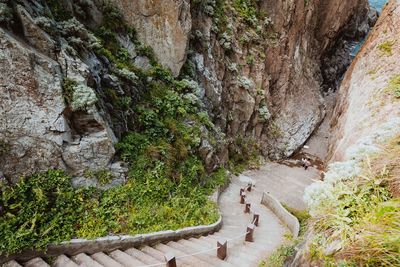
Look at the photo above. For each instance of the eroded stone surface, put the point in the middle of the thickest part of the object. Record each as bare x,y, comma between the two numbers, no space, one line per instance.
164,25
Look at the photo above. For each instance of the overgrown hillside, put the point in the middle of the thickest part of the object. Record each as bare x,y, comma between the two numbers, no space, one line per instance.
159,119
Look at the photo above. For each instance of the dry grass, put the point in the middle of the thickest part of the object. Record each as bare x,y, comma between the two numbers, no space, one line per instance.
389,160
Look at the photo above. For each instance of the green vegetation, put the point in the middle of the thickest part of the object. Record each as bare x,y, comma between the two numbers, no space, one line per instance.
278,257
104,177
45,208
386,47
243,154
362,216
248,10
167,186
78,96
57,11
394,86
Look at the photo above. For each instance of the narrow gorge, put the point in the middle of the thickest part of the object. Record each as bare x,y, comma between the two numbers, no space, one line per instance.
119,119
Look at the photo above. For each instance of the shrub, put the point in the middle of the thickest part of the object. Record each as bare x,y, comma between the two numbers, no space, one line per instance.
57,10
247,9
361,215
83,97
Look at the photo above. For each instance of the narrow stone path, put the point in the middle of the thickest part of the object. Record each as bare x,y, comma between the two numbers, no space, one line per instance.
286,181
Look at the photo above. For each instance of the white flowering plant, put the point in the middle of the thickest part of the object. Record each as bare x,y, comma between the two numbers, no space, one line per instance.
83,97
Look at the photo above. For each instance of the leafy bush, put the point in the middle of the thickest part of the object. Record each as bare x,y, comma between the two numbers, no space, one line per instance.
45,208
83,97
247,9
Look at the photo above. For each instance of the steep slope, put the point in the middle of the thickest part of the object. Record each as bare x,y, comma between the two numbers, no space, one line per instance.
355,208
260,65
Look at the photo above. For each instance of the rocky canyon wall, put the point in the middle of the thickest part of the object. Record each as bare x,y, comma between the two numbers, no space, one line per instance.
164,25
261,70
255,66
368,110
365,120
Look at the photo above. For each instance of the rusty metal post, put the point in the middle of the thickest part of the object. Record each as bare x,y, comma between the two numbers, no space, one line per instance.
249,187
222,250
247,208
242,198
250,232
170,259
256,218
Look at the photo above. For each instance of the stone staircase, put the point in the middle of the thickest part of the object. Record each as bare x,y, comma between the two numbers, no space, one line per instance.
202,250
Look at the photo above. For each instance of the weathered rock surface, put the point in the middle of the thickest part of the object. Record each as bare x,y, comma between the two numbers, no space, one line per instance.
260,81
37,127
368,110
164,25
367,113
31,109
264,83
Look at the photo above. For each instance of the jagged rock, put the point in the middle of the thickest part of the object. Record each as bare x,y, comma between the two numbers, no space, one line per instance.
164,25
36,123
31,105
37,38
366,112
285,70
143,63
93,152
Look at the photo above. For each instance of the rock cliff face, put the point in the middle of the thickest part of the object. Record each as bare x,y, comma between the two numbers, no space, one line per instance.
257,65
366,116
164,25
368,108
261,73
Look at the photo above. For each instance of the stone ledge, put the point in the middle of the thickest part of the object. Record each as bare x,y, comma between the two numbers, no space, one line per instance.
283,214
110,243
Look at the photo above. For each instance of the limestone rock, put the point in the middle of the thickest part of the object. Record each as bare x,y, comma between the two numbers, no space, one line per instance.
367,111
41,131
164,25
31,109
37,38
279,68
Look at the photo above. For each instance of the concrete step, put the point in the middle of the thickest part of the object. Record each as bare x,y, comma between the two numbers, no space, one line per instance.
143,257
153,253
253,247
11,264
105,260
85,260
36,262
64,261
125,259
189,247
202,242
186,261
